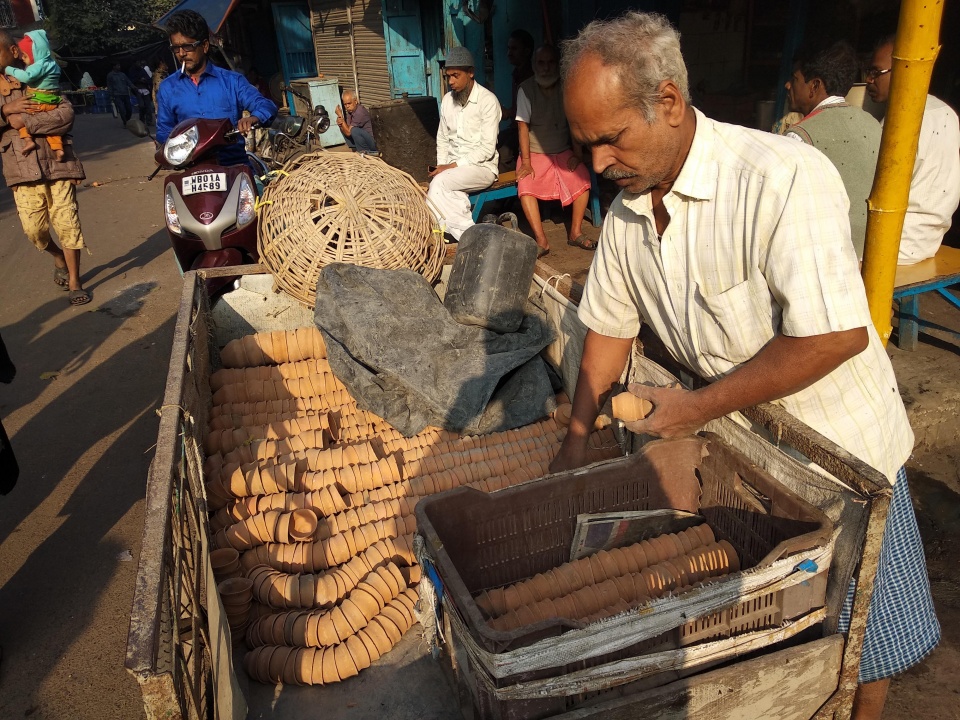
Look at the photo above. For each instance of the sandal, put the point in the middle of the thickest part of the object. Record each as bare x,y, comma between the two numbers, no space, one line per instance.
542,251
79,297
583,243
61,277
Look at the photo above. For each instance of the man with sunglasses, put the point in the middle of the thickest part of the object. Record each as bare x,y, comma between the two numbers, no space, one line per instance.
199,89
935,185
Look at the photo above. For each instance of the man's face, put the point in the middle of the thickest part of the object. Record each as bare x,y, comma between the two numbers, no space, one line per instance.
546,66
623,147
458,79
349,103
9,53
191,53
800,93
878,81
516,53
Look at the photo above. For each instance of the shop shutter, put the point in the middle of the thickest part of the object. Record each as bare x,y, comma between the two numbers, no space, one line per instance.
331,34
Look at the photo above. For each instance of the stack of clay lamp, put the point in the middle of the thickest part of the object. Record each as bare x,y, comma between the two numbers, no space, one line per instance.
612,581
317,496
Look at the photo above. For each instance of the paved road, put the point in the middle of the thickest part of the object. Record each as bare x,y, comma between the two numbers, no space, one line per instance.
70,530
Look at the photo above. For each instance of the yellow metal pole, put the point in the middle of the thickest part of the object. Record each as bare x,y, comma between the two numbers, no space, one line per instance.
914,53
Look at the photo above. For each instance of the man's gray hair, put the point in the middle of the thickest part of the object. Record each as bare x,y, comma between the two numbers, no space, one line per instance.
643,47
350,93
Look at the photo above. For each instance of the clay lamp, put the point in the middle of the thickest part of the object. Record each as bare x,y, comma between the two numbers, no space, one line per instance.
283,529
733,560
329,668
551,584
236,590
585,568
326,631
622,561
395,613
651,552
389,627
259,531
525,615
303,524
225,561
278,660
369,647
511,597
261,576
275,597
379,637
609,564
358,653
261,662
706,534
685,542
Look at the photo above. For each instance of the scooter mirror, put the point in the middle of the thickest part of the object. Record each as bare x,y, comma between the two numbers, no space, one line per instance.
323,118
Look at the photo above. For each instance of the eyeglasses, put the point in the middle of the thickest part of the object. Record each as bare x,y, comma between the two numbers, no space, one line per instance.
874,73
186,47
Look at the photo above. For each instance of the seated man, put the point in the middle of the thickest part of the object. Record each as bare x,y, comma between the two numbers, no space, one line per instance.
548,169
357,126
935,183
466,144
200,89
847,135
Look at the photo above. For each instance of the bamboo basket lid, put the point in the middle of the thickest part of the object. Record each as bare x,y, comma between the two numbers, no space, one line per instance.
344,207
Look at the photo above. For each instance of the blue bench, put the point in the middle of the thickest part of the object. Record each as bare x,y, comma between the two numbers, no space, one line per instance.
936,274
506,187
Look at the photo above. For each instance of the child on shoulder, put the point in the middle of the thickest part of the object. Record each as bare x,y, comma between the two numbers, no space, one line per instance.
42,77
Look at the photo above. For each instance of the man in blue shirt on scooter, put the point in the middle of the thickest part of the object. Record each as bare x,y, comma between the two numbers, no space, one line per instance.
200,89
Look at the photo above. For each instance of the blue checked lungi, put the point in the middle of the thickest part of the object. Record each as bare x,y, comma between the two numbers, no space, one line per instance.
902,626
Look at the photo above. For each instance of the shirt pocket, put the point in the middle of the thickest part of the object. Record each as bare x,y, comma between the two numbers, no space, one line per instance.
735,324
468,127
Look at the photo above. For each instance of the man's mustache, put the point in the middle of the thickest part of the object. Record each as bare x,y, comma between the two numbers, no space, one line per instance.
614,174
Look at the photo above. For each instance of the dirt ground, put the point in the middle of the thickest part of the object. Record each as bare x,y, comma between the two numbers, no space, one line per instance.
81,415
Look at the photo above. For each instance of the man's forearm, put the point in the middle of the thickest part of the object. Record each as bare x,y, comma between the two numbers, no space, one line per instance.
50,122
785,366
600,368
523,134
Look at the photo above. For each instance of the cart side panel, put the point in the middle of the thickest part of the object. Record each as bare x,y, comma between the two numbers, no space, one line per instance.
170,644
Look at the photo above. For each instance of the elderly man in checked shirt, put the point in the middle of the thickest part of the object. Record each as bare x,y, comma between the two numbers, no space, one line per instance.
466,144
734,246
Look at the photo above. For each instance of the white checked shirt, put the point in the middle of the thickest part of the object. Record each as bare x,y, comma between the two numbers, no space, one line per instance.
468,133
935,185
758,244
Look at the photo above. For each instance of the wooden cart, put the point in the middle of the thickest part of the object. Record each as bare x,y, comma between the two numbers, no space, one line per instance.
179,647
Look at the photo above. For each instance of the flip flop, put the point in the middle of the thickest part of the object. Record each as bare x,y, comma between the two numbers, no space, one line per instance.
542,252
79,297
583,243
61,277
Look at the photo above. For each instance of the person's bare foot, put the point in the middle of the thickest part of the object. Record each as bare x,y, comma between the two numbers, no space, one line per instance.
29,145
58,155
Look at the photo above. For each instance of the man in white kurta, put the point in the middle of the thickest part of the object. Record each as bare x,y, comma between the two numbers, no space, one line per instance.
466,145
734,246
935,184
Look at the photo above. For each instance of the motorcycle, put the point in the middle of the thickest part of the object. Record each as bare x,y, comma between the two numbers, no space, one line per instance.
210,209
292,135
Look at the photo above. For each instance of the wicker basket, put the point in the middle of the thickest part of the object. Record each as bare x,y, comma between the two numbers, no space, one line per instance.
344,207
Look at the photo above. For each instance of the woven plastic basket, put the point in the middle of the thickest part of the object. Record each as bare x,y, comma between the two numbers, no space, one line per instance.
344,207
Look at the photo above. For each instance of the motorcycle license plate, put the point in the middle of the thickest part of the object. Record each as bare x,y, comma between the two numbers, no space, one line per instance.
204,182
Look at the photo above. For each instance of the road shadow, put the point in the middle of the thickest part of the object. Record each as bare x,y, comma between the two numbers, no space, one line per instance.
92,445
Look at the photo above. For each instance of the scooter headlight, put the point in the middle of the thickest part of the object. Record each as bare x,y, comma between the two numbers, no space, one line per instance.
170,211
178,148
247,204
